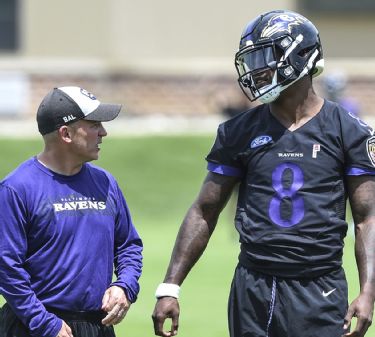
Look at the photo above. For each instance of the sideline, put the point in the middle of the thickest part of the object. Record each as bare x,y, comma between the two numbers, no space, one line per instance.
136,126
126,126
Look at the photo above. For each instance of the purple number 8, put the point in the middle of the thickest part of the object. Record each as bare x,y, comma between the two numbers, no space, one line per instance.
298,206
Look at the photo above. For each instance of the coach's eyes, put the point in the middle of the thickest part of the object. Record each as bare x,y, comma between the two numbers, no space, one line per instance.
96,125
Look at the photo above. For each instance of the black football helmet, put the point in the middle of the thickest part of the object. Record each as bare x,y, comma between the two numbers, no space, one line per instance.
277,49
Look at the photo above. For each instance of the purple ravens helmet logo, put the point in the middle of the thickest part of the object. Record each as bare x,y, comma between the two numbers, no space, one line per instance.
282,23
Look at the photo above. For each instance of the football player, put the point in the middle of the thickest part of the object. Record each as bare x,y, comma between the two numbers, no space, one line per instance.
296,158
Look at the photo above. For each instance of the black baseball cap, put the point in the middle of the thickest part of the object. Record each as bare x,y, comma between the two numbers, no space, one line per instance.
65,105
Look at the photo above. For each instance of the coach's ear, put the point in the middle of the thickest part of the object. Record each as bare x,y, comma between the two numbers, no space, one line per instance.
65,133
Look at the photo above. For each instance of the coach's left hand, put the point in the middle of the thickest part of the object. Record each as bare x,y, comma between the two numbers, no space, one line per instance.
116,304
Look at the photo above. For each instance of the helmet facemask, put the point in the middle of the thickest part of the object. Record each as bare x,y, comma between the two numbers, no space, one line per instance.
257,69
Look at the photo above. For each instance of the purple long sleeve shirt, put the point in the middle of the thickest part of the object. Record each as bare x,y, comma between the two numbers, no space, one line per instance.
60,237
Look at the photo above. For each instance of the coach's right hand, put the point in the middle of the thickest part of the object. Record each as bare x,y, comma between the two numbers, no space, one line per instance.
65,331
166,307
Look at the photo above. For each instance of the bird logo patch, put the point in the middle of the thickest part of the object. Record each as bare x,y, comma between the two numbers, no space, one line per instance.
370,144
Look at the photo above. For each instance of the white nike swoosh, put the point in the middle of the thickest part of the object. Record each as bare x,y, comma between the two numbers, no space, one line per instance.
325,294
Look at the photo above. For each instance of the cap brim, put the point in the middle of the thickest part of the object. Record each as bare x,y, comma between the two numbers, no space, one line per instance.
104,112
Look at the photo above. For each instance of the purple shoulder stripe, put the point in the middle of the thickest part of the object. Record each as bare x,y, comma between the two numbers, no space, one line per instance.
355,171
224,170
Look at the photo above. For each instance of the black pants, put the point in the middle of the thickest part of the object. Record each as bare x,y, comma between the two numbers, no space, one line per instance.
82,324
267,306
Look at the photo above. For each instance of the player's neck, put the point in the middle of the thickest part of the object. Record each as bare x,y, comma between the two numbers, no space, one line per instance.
294,109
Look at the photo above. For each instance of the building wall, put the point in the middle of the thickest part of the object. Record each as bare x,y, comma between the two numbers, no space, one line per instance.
138,35
65,29
143,36
346,36
164,57
174,34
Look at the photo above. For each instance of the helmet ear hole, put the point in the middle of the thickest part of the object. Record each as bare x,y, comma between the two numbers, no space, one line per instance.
305,51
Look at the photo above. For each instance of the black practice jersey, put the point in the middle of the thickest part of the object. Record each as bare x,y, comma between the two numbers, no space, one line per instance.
291,203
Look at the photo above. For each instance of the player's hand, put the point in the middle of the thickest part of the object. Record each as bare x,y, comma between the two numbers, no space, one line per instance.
166,307
65,331
116,304
362,308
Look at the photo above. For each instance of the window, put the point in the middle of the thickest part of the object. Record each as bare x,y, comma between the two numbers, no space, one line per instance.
8,25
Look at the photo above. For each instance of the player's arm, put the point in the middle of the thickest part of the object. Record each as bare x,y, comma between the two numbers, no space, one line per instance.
362,200
192,239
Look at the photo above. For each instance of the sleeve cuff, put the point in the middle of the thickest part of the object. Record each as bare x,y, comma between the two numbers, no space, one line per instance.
224,170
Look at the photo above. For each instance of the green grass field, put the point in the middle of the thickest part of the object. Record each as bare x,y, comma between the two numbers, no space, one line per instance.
160,177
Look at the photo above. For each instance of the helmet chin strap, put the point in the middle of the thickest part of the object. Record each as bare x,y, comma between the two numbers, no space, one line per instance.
273,94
